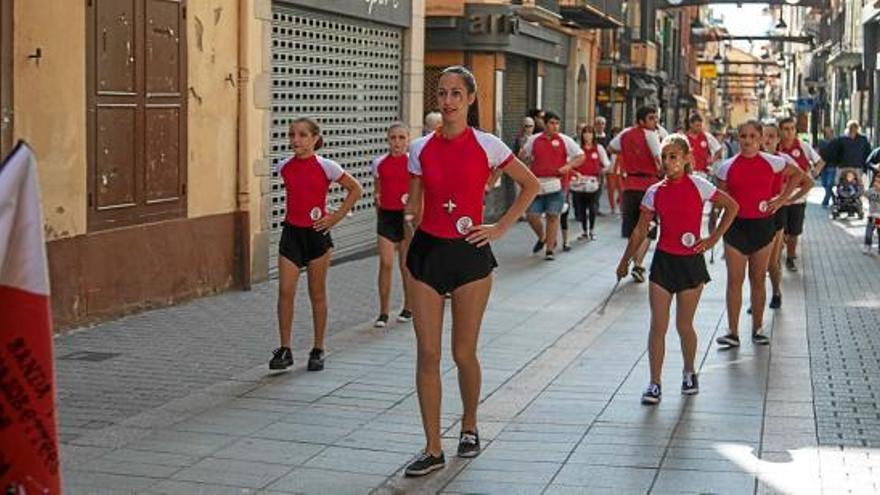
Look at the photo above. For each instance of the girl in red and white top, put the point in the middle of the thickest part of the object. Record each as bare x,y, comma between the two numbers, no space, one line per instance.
450,252
749,178
392,191
678,269
305,238
806,158
771,145
585,188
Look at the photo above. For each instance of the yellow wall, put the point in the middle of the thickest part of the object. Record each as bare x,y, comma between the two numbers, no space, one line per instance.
212,34
50,107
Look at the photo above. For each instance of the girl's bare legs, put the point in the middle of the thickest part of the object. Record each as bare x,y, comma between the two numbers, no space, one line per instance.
685,308
775,267
288,276
468,306
405,277
736,275
660,301
757,280
386,263
317,274
428,324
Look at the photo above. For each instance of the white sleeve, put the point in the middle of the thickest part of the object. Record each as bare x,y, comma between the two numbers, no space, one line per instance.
777,163
648,198
714,145
662,132
603,157
653,142
527,147
374,167
721,171
498,153
706,188
332,169
414,164
810,153
614,145
571,147
281,165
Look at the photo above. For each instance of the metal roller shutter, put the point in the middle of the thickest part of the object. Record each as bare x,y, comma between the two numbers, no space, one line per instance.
516,97
346,73
554,90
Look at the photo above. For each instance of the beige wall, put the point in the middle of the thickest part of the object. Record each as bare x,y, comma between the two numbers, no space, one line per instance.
212,35
49,107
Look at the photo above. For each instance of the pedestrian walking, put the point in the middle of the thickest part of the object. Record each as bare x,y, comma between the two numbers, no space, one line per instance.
392,187
527,128
748,177
305,237
585,189
551,155
829,171
705,149
678,269
771,136
639,150
811,163
433,121
450,252
613,180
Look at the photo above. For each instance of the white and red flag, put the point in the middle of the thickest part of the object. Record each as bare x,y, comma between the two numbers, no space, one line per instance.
29,459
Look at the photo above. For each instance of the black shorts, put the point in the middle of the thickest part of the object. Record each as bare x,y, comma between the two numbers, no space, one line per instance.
794,218
389,224
446,264
301,245
749,235
677,273
631,209
779,218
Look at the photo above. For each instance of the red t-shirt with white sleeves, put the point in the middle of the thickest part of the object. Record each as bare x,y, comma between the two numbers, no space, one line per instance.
638,148
678,203
703,148
393,181
750,182
550,153
306,181
803,155
454,174
595,160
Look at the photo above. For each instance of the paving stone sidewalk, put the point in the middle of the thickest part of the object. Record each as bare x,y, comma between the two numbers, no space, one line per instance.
559,412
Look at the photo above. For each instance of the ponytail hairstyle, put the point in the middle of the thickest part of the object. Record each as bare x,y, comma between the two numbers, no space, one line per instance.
680,141
470,82
753,123
314,128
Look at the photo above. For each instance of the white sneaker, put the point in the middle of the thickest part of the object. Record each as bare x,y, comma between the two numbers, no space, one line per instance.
866,249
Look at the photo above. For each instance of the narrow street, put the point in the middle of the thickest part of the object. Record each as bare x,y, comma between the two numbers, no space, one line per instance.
181,401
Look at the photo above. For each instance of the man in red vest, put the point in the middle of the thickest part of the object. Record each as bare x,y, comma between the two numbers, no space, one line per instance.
806,158
551,155
639,150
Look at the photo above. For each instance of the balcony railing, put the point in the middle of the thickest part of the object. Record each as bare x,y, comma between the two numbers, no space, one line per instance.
643,55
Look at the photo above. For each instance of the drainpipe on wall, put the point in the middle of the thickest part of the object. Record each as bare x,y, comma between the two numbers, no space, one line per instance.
242,182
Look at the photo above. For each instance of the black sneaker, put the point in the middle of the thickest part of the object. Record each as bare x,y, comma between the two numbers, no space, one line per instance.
789,263
381,321
749,310
689,384
638,273
404,316
282,359
548,256
729,340
776,301
566,248
316,360
468,444
539,245
425,463
652,395
758,338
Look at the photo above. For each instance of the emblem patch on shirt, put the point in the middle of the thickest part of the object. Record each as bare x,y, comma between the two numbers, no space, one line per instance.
555,143
763,206
463,225
704,144
595,156
404,198
315,214
688,239
796,153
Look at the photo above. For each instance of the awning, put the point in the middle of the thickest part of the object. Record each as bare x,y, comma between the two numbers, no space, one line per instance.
641,87
590,17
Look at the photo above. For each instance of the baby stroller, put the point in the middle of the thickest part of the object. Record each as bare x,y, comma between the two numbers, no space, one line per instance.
848,196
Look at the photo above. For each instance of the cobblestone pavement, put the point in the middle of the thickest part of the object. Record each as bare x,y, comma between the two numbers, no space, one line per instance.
559,411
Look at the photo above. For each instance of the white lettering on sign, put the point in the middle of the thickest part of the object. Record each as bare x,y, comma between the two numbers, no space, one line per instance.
371,4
